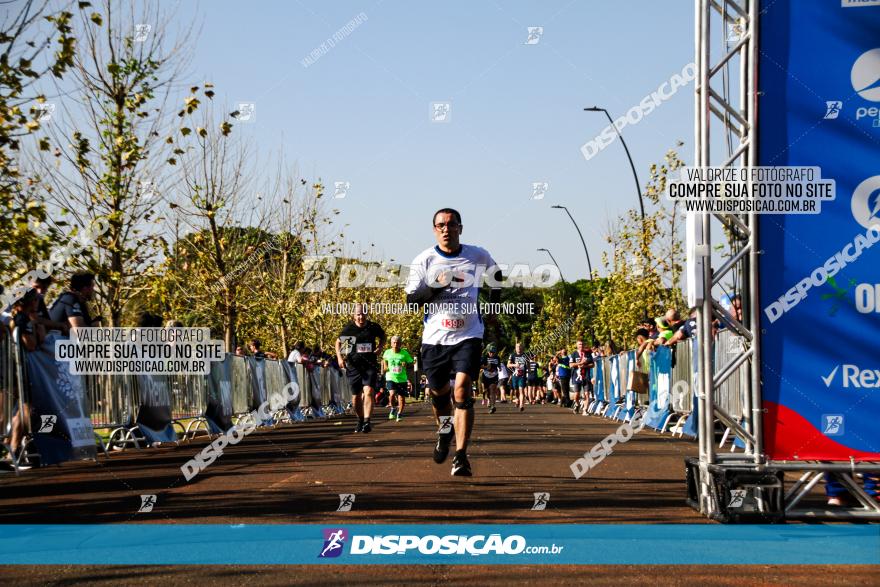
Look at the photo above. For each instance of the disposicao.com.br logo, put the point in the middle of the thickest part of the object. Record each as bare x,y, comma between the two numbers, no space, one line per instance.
477,545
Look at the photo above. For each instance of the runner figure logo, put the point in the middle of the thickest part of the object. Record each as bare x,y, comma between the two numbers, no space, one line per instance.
346,500
147,503
47,423
832,109
737,498
341,189
346,345
45,112
541,501
247,111
539,189
445,425
317,270
534,35
441,111
832,424
334,540
141,31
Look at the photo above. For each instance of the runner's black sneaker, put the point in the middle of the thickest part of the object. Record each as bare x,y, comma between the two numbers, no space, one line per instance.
441,451
461,467
366,427
492,409
359,427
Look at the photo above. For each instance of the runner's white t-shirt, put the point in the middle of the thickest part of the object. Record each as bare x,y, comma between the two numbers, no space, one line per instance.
452,315
503,373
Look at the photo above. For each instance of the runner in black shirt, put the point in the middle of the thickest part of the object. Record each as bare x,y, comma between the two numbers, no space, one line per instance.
517,364
357,351
532,380
489,374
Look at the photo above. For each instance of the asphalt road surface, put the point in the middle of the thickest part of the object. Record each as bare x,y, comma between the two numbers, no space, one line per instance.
294,474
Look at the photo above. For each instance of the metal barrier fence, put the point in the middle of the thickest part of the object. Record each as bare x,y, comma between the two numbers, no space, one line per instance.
731,395
9,387
611,383
242,385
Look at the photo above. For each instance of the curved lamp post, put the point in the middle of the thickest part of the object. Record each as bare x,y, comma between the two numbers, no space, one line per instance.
589,265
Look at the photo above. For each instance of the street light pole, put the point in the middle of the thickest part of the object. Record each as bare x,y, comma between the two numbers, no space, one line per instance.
628,156
555,263
589,265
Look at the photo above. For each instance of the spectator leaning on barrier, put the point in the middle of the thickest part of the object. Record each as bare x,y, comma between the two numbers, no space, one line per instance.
71,307
256,351
687,330
295,358
643,340
25,317
41,285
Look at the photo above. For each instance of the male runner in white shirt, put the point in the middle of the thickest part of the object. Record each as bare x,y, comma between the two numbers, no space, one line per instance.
447,278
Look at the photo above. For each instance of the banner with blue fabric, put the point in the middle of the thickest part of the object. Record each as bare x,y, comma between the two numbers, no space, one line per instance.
630,406
154,411
258,385
218,411
613,384
59,411
600,379
293,406
661,371
819,85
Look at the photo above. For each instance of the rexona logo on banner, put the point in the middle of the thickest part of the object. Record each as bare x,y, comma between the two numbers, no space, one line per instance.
854,376
819,105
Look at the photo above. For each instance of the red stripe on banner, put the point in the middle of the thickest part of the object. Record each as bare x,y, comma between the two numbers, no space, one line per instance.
788,436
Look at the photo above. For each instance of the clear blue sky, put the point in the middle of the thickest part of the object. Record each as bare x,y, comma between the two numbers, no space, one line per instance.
361,112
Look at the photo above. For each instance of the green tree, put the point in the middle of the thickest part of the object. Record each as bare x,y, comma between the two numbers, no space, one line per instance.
24,43
116,144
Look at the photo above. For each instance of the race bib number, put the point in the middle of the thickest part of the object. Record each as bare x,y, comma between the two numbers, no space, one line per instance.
397,369
364,347
451,322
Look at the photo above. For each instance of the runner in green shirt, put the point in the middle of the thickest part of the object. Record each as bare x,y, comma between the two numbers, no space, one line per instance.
394,361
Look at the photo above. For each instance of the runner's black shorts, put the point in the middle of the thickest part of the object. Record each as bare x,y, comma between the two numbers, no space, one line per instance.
400,388
489,380
438,360
578,386
532,381
361,376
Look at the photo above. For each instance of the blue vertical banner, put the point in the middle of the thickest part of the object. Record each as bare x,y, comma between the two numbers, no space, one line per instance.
819,105
661,373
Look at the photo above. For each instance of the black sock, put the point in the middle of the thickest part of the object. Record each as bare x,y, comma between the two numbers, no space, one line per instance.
360,420
366,420
461,452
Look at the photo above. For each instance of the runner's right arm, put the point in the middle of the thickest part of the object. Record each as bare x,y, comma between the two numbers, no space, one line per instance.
339,354
424,293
